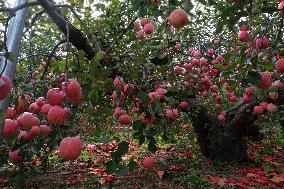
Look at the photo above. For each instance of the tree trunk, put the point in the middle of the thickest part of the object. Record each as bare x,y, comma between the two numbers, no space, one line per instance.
225,141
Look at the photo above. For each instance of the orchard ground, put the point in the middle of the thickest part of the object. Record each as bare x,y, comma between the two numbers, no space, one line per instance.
178,165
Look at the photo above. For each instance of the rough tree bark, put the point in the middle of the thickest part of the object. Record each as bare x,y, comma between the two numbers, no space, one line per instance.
225,141
76,37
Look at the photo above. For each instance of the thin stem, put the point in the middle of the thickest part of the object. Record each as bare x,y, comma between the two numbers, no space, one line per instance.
89,33
5,46
20,7
279,30
36,55
67,50
50,57
121,34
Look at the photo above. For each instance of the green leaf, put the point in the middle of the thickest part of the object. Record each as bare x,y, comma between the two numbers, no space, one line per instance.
81,55
255,62
169,99
227,57
118,98
174,2
111,167
135,4
94,95
256,9
34,150
138,125
122,171
136,135
218,66
116,157
187,5
151,133
94,63
123,147
60,65
211,2
253,77
152,146
140,137
268,66
142,9
132,165
104,139
155,106
143,96
108,84
241,60
165,136
219,26
160,60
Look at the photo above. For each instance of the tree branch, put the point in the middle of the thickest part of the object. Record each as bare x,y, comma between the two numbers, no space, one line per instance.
89,33
124,30
36,55
5,46
20,7
76,36
50,57
33,20
127,27
279,31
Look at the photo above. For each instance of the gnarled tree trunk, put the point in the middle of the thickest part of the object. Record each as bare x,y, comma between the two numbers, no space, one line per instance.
225,141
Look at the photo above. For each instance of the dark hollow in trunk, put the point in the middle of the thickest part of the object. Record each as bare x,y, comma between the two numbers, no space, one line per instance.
225,141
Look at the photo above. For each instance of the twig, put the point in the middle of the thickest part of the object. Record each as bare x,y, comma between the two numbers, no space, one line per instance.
38,54
67,53
279,30
30,59
77,38
121,34
127,27
89,33
20,7
5,45
38,14
50,57
33,20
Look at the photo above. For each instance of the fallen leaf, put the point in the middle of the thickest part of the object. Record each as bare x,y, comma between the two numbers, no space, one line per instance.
222,181
161,174
213,179
277,179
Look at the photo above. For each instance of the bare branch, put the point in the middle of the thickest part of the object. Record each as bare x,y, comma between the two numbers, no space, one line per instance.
20,7
89,33
5,45
127,27
36,55
50,57
279,31
33,20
